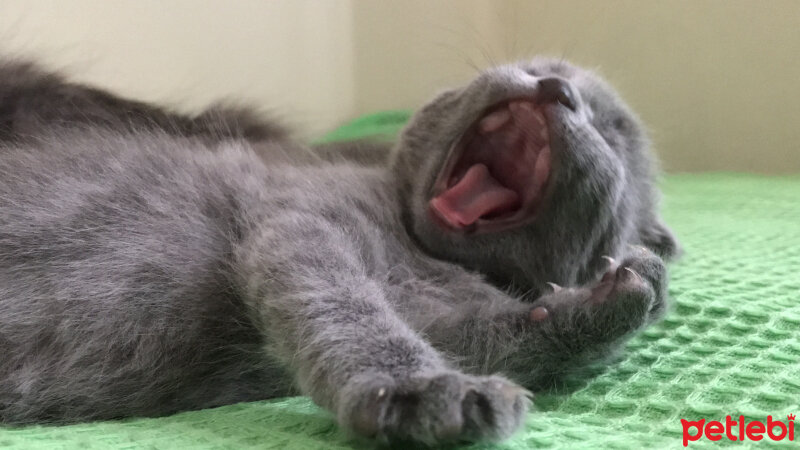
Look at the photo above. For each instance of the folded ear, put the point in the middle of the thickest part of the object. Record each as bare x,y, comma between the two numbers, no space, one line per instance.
658,238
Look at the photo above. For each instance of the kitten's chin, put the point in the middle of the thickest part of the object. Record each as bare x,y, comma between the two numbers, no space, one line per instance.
497,174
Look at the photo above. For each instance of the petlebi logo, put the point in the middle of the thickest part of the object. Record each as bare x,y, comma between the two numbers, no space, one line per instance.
738,430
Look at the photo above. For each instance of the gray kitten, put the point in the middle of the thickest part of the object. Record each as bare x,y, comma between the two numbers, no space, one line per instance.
152,262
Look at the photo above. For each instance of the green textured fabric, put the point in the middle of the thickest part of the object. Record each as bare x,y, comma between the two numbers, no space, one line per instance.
730,346
384,125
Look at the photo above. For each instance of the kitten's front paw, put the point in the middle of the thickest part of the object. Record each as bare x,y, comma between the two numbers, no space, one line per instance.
639,281
442,407
630,295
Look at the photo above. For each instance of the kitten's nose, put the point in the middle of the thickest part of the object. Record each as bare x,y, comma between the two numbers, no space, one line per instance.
551,90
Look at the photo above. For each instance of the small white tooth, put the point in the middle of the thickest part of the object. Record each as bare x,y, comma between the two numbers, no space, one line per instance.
494,121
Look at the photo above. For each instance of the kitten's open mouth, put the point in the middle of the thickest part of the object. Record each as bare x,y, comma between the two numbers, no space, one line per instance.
496,174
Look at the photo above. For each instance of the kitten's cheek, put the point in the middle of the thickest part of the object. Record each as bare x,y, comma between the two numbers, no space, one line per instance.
539,314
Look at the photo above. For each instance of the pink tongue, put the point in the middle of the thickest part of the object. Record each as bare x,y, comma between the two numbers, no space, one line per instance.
476,195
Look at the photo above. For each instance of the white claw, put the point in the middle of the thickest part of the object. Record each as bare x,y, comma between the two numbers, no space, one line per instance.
611,261
555,287
381,392
633,272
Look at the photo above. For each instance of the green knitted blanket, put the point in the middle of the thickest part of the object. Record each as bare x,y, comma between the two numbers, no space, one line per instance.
730,346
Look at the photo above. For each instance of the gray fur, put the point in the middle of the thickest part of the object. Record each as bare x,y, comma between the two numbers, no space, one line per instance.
153,262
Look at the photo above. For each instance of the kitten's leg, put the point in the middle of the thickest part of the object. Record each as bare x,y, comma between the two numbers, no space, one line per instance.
562,331
331,325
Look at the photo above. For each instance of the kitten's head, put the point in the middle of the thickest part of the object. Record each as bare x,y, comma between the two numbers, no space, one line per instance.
530,173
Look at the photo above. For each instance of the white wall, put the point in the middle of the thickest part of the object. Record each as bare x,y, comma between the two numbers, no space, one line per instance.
294,56
716,80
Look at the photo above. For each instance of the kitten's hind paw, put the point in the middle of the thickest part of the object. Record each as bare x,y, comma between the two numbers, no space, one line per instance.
432,409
